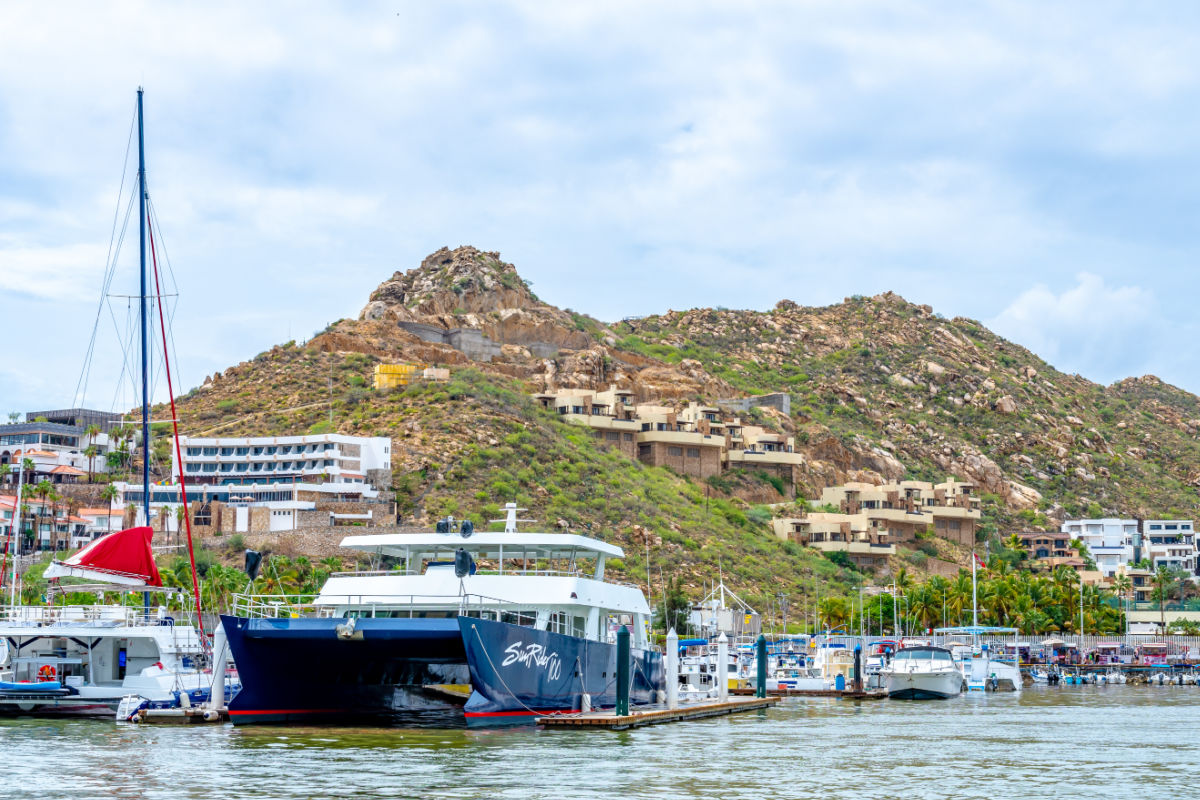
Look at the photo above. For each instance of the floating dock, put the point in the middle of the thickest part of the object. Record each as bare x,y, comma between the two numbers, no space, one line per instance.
195,715
656,715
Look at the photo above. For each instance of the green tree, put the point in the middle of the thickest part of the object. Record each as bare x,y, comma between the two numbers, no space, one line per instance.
673,610
109,494
1162,580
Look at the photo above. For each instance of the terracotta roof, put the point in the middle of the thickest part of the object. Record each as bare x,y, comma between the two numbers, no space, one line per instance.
63,469
45,453
99,512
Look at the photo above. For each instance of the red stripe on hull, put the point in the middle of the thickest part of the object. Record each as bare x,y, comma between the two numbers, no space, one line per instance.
245,712
546,713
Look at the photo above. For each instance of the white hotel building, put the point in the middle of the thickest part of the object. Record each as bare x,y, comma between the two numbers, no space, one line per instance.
329,457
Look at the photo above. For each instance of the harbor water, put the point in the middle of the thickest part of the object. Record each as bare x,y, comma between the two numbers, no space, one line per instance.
1078,741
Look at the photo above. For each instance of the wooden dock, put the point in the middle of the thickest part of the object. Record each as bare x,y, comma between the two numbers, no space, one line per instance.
655,715
847,694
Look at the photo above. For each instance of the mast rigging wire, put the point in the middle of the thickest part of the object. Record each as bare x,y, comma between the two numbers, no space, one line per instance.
110,266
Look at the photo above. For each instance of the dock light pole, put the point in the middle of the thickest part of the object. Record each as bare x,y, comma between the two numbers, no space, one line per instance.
672,667
623,671
760,647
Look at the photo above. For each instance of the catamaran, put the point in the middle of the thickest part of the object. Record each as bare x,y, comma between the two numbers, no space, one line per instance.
523,624
88,659
84,660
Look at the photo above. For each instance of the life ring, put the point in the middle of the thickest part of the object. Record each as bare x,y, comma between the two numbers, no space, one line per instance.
47,672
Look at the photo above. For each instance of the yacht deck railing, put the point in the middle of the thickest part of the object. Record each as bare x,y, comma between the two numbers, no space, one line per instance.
368,605
115,616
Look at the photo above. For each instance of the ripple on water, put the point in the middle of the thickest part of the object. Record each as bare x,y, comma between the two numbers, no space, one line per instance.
1116,741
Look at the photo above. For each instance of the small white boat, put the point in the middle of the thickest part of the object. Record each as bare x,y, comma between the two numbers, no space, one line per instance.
922,673
1045,676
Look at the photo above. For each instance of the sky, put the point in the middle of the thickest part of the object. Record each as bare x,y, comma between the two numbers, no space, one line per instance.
1029,165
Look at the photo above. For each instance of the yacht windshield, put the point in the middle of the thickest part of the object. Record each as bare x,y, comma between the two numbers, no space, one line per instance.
923,655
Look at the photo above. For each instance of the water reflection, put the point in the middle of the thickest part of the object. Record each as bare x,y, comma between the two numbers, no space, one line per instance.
1047,741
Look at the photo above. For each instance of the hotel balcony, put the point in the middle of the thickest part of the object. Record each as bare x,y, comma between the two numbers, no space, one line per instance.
604,422
750,457
691,438
856,548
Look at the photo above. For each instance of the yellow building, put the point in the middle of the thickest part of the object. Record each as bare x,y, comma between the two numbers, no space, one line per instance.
390,376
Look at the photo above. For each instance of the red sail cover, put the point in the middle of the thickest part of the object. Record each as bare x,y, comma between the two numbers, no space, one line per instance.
126,553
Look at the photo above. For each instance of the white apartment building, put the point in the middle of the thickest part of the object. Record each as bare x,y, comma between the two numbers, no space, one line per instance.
1116,544
330,457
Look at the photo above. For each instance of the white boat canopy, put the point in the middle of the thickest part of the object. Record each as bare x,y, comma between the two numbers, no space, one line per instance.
486,544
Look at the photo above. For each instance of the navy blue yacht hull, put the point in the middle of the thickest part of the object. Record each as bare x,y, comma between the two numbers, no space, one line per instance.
305,671
519,674
302,670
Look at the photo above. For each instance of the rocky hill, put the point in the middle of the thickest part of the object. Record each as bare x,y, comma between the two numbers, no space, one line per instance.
881,388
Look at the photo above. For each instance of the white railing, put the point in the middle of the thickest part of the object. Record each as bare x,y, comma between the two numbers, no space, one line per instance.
291,606
76,615
553,573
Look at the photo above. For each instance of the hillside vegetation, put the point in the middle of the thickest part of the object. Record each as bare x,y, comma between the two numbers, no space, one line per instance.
881,390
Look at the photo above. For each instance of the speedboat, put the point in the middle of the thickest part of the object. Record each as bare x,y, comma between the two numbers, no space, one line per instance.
532,632
922,673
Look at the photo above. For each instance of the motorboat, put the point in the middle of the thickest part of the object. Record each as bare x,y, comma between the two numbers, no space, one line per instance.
984,665
923,672
532,631
1045,675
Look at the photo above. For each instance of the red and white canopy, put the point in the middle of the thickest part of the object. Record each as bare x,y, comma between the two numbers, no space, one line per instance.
123,558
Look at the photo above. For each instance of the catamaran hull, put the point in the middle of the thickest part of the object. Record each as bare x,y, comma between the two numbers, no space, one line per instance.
923,685
519,674
318,670
315,670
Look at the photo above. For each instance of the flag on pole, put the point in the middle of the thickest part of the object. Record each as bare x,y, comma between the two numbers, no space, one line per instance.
979,561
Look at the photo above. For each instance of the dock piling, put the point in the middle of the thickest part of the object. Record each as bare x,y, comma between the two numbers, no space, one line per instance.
672,666
623,671
760,649
722,668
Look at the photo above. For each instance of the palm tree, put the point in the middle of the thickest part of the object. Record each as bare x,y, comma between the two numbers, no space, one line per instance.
181,513
91,450
1015,544
1162,579
110,493
43,489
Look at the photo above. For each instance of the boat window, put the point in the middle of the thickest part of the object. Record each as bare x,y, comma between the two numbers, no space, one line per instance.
524,618
923,655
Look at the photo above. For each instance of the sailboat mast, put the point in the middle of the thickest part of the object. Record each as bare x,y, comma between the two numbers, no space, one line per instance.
145,314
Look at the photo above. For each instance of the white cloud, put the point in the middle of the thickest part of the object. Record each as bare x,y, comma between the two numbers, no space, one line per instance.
675,153
1092,328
